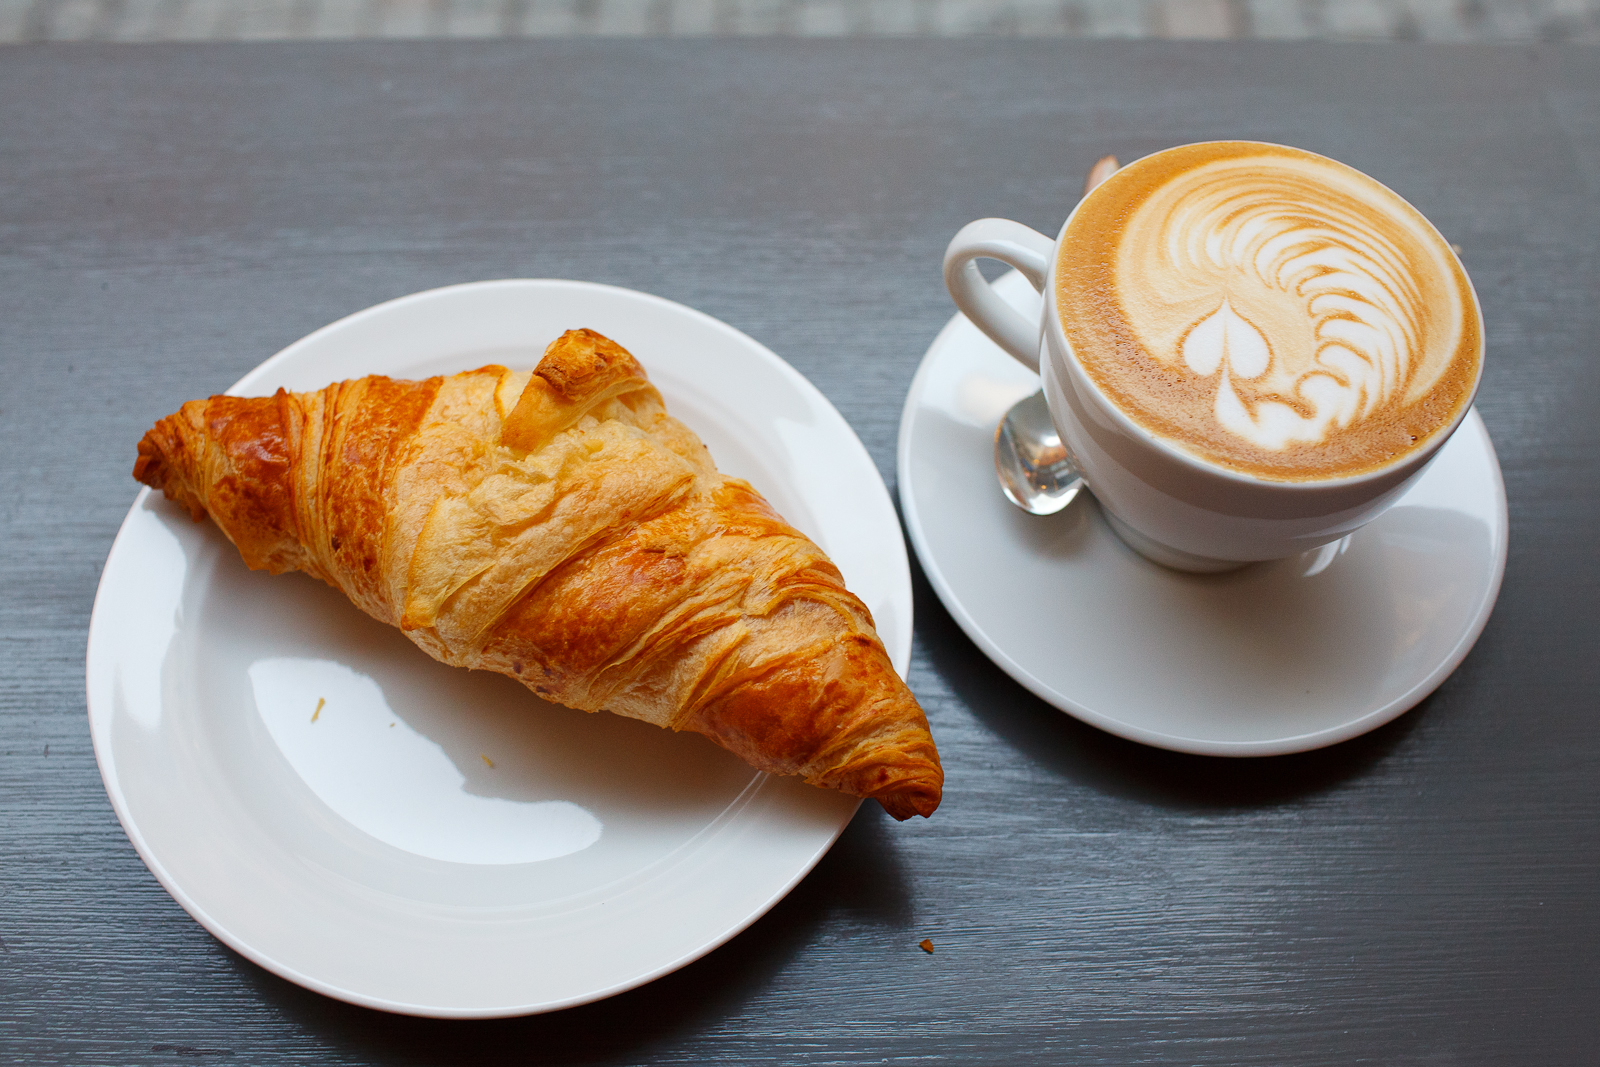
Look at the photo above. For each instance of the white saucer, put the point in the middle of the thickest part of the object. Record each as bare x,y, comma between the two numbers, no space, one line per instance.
319,794
1274,658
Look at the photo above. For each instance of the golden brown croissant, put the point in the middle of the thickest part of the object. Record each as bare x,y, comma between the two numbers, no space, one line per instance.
560,527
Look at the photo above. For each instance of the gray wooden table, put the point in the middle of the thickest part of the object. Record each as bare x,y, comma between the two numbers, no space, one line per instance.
170,216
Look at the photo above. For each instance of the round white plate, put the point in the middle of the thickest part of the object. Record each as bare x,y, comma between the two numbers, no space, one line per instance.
376,826
1274,658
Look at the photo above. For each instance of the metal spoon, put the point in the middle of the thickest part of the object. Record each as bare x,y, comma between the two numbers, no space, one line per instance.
1035,472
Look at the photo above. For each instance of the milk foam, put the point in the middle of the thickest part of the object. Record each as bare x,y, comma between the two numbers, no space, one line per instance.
1276,299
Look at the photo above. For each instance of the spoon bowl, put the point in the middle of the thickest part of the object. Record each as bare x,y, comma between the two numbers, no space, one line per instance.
1035,471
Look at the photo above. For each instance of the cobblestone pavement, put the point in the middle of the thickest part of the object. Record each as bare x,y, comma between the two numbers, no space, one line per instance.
205,20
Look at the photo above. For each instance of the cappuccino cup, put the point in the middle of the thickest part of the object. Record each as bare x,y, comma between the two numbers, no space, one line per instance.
1249,350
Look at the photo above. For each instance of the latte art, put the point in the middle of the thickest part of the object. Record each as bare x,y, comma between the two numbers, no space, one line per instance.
1332,280
1269,309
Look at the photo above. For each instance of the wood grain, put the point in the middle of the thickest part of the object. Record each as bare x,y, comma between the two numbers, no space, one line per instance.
171,215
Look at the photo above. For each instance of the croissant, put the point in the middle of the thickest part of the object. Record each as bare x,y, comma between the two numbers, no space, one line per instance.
561,528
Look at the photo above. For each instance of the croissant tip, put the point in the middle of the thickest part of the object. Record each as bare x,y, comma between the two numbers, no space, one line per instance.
148,468
581,363
908,802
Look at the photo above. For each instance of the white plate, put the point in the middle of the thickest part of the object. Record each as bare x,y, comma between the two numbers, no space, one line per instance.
373,854
1273,658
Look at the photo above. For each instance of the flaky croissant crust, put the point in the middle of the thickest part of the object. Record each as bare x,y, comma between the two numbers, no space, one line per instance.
560,527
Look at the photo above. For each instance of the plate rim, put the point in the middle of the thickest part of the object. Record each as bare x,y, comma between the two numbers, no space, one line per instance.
99,662
1371,720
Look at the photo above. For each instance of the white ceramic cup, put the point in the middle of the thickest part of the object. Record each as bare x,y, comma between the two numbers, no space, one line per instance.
1165,503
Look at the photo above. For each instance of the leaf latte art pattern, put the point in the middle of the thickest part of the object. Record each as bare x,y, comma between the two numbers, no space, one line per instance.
1297,285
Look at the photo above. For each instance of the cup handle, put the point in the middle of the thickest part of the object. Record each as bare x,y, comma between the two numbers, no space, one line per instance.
1014,245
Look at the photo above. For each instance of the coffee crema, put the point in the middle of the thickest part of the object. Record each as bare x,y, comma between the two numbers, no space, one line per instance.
1268,310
